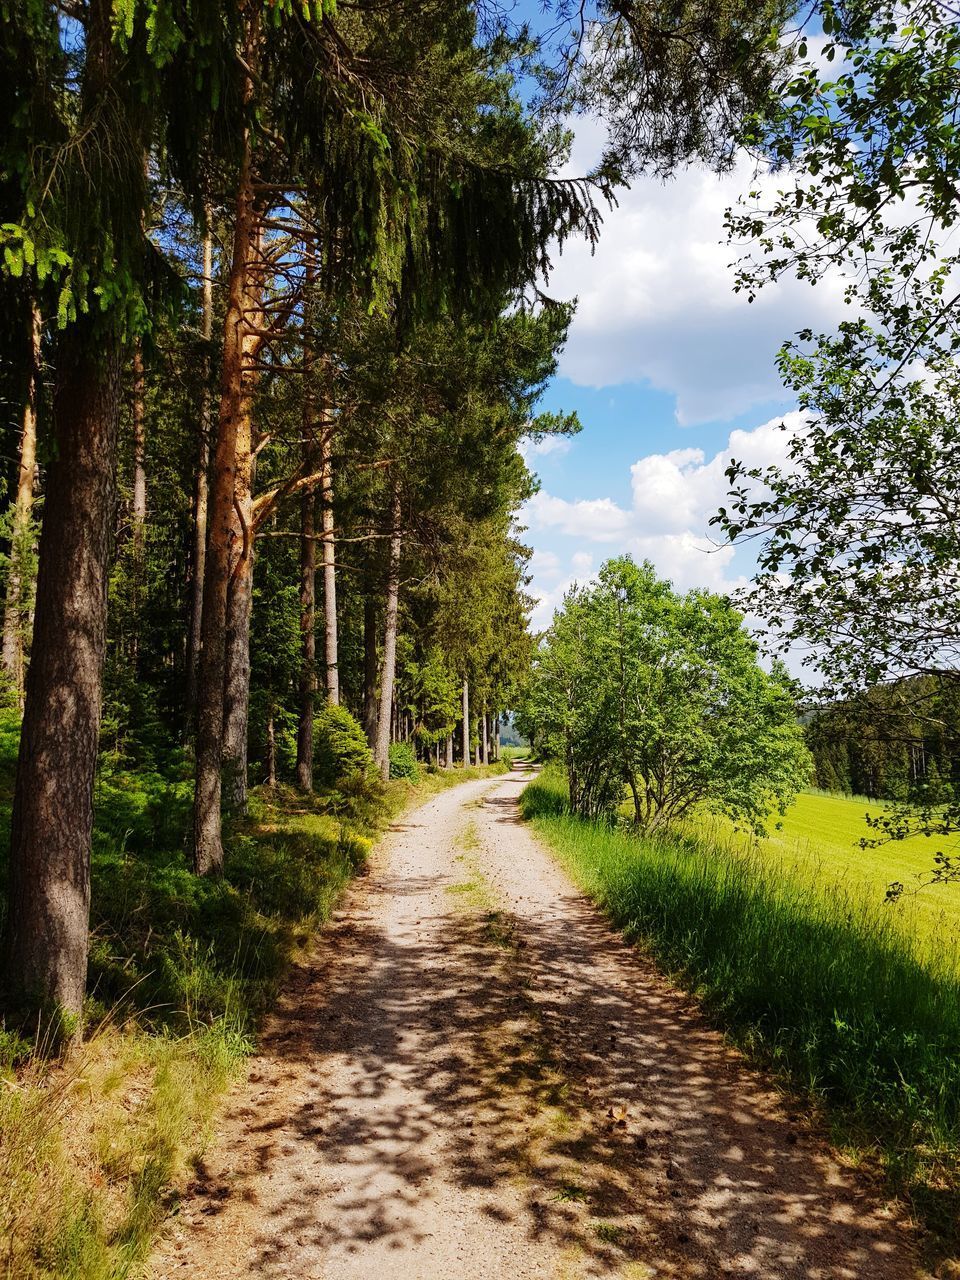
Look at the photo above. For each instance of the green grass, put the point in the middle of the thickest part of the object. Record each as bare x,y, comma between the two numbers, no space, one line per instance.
815,977
92,1149
821,835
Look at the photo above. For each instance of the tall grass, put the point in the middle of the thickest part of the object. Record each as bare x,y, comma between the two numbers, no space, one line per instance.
815,979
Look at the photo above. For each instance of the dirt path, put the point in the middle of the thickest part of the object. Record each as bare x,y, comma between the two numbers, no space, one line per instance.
476,1079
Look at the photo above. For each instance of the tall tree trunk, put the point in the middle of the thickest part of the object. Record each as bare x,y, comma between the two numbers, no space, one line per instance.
370,669
329,569
45,946
449,759
308,566
308,641
14,612
466,723
477,758
484,744
201,487
236,684
139,508
382,755
271,749
207,831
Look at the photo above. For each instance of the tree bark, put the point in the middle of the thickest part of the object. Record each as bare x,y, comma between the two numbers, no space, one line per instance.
484,744
236,686
382,755
271,749
242,299
330,638
45,946
200,495
308,573
466,723
308,642
370,669
449,759
15,609
139,509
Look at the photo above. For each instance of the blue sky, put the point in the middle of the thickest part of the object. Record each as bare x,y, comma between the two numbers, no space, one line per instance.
671,373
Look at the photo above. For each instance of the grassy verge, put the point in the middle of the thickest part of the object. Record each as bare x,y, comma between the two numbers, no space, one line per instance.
92,1150
812,977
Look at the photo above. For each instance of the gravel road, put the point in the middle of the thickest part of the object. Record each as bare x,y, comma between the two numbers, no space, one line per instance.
474,1078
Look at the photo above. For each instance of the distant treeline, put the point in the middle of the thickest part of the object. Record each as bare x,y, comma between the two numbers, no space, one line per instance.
895,742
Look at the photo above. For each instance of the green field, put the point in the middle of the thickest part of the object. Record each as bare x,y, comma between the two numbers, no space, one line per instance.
819,840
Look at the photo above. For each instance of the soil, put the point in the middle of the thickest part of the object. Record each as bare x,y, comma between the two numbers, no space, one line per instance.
474,1077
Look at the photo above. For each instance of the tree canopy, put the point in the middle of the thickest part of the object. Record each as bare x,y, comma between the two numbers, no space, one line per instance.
641,690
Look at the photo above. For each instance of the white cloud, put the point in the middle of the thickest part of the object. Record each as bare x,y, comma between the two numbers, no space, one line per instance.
531,448
596,520
674,496
656,300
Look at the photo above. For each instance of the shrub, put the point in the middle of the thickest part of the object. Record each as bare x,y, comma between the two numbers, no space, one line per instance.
403,762
339,747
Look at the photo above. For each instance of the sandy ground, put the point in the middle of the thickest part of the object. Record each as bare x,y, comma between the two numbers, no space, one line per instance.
475,1078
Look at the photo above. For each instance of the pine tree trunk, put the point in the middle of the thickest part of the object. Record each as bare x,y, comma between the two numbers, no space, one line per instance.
139,508
382,755
466,724
200,495
271,749
449,759
242,297
476,755
308,642
308,574
45,946
330,639
484,745
370,669
14,613
236,685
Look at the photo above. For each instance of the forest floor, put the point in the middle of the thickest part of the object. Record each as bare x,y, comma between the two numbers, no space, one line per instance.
473,1076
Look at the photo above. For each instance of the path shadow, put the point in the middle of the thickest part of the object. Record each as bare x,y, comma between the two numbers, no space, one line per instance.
533,1051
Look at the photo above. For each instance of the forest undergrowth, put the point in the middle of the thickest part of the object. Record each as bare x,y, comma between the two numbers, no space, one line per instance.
814,980
96,1146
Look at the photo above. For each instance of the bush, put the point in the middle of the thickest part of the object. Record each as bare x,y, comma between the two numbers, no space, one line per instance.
403,762
339,747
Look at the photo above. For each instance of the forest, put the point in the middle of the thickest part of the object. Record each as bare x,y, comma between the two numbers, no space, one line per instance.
301,810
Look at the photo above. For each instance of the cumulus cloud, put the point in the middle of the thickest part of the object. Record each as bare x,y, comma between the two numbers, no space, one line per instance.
532,448
674,496
596,519
656,300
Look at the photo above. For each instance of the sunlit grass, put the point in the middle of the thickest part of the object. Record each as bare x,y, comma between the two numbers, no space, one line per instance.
809,970
819,841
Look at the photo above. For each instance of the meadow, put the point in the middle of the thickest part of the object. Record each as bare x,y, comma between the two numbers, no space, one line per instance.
819,839
791,948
